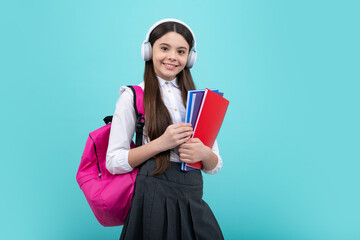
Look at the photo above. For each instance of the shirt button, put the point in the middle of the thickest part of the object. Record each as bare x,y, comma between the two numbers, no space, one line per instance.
175,109
166,83
169,90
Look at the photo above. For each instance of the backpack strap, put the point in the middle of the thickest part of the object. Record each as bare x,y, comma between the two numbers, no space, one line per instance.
140,113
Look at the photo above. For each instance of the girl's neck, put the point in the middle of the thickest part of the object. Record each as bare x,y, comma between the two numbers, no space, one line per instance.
165,80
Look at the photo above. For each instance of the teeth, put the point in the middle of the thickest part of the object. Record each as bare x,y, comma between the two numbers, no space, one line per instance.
170,65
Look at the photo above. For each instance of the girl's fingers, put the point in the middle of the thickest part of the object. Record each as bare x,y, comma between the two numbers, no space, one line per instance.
183,135
185,151
184,140
187,159
184,157
184,146
183,129
178,125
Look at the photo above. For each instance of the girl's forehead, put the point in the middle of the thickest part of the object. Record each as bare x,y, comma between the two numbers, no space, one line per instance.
172,38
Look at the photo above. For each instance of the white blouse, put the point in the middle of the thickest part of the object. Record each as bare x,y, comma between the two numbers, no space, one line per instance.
124,121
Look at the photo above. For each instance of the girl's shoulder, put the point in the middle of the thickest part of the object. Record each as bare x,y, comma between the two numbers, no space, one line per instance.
126,98
124,90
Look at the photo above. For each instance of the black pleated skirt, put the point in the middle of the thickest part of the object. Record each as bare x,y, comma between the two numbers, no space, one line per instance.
169,206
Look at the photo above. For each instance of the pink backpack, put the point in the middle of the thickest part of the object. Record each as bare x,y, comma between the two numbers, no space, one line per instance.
108,195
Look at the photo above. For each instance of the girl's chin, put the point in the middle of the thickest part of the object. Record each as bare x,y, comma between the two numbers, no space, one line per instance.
169,74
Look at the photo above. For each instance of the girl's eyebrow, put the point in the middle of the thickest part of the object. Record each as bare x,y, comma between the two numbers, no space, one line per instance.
168,45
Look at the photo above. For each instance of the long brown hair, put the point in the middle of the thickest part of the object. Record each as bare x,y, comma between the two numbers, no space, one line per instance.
157,116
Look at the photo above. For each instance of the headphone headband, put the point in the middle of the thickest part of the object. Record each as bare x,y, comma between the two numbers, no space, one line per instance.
170,20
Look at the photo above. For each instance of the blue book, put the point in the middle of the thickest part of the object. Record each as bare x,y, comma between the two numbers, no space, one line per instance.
189,104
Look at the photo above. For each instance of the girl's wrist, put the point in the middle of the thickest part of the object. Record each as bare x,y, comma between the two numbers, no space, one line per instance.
207,153
158,145
210,160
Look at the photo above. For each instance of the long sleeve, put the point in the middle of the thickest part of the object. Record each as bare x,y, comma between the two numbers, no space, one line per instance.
121,134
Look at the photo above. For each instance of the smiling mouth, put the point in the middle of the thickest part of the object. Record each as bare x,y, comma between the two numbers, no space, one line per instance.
170,66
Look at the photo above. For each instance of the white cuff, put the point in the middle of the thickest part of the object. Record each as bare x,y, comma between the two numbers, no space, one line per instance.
120,166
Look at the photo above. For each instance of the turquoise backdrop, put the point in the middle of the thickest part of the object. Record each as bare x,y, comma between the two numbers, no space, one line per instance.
290,141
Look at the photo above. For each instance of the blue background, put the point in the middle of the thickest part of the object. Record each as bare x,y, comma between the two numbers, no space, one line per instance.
290,140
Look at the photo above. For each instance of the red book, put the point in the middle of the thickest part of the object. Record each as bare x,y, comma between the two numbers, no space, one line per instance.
211,115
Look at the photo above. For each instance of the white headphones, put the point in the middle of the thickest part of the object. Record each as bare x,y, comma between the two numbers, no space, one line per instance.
146,49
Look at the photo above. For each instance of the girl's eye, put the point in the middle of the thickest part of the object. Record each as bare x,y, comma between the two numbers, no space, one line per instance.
181,52
164,48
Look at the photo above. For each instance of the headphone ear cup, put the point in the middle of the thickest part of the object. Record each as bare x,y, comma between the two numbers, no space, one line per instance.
191,59
146,51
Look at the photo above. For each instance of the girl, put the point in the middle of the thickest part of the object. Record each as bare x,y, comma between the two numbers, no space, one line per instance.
167,203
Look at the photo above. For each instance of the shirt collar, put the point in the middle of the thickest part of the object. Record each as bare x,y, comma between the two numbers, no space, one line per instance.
162,82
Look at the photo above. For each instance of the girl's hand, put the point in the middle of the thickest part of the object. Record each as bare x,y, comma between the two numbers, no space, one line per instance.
175,135
194,151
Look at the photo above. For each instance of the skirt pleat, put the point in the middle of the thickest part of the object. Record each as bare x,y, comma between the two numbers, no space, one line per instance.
169,206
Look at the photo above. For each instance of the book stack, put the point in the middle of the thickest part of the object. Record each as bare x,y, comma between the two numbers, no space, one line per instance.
205,110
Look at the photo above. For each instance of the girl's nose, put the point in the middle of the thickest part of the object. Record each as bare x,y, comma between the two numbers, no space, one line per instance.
172,56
